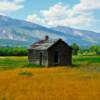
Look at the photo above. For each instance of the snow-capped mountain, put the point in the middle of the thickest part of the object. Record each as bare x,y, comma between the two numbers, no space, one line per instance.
21,33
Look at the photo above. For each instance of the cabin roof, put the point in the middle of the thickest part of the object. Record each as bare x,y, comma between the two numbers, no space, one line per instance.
44,44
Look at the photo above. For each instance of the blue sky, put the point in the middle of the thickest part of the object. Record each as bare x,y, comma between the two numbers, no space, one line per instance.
82,14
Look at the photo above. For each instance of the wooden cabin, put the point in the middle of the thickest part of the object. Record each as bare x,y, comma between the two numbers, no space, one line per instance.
49,52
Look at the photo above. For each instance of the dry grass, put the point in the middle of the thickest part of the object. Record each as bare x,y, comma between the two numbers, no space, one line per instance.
49,84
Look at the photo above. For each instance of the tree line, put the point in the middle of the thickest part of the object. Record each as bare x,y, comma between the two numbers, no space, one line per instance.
93,48
18,51
13,51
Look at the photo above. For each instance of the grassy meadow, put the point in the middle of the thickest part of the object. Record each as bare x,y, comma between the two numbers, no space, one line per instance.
22,81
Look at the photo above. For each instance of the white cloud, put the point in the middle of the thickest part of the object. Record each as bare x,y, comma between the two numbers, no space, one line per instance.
79,16
7,6
57,10
86,5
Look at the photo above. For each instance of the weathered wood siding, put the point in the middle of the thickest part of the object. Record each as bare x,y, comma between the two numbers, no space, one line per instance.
34,57
65,53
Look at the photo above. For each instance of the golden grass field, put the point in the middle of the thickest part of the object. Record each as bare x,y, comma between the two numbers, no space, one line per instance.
56,83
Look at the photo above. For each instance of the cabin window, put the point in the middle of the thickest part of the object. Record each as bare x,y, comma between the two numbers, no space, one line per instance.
56,57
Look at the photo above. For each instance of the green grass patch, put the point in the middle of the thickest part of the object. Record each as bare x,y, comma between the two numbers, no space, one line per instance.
81,60
25,74
32,65
13,62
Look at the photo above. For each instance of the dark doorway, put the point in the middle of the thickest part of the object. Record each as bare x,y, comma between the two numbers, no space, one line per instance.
40,58
56,57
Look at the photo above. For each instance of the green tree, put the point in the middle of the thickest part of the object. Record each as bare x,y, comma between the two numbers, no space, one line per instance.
76,48
94,48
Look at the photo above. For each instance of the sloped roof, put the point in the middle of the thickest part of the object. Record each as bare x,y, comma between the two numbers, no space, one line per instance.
43,44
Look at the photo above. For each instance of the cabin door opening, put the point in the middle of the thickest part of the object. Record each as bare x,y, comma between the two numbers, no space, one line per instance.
56,57
40,58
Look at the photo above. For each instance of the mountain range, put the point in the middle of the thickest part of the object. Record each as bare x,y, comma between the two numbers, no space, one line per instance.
14,33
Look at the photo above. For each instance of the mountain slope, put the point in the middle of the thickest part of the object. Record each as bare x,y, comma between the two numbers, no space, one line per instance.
21,33
81,37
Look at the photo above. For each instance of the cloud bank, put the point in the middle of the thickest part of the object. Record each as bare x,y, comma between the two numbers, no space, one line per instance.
10,5
80,15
